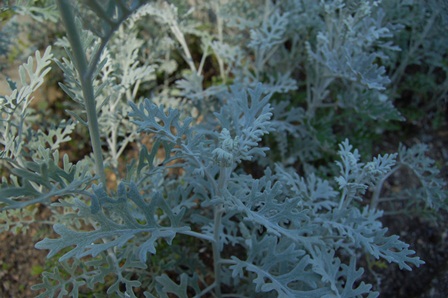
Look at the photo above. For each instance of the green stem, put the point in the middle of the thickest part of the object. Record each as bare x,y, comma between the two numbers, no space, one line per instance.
85,75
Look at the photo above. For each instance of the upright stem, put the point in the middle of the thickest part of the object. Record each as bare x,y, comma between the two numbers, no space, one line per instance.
224,175
85,75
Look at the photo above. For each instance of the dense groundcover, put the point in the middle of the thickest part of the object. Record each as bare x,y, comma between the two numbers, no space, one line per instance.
224,148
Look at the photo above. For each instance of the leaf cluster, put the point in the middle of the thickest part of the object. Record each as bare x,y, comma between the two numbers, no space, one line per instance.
226,174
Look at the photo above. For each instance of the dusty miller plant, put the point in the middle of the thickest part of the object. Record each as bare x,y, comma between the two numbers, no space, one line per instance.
189,217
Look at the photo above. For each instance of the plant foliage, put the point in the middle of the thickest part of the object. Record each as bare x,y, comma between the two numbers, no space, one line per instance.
220,123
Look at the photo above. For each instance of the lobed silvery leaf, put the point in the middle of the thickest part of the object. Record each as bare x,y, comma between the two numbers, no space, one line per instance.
46,11
345,63
117,223
53,137
352,286
373,103
362,229
432,186
126,69
315,193
341,278
248,119
280,83
270,33
263,202
279,266
67,277
165,285
153,119
355,176
43,179
14,108
17,220
55,285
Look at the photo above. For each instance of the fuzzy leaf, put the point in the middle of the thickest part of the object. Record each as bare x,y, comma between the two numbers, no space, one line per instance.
248,119
120,227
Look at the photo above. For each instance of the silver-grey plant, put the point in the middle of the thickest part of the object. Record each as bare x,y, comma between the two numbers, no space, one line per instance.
189,216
